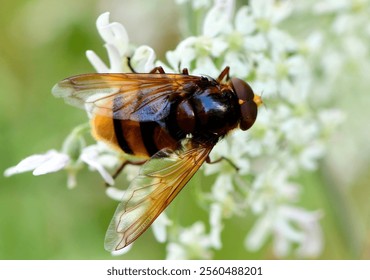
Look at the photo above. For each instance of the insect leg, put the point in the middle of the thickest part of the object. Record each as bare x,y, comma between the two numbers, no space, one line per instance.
185,71
157,69
122,166
224,73
129,65
208,160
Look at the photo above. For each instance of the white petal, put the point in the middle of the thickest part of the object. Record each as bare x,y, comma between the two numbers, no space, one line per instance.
89,155
114,193
102,20
215,220
310,155
183,54
258,235
212,169
107,156
159,227
221,149
113,33
176,252
315,41
313,242
55,163
238,63
244,22
309,237
281,11
222,187
96,62
30,163
120,40
143,59
205,66
218,18
131,171
115,59
256,43
262,8
218,46
285,229
281,245
192,234
122,251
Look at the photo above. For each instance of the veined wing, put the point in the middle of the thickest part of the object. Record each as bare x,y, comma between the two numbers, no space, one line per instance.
131,96
159,181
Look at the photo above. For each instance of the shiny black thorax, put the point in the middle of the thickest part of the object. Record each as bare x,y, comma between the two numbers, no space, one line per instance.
207,110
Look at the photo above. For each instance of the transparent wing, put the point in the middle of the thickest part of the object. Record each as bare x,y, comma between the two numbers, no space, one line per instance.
159,181
138,97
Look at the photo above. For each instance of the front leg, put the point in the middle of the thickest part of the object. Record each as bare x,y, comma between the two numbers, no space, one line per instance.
158,70
224,73
185,71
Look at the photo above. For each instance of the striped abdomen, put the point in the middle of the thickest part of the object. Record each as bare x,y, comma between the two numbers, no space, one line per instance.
136,138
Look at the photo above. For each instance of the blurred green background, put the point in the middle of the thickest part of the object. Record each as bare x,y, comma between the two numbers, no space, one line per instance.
43,41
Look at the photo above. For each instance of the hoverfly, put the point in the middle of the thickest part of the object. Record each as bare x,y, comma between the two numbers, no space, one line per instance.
172,120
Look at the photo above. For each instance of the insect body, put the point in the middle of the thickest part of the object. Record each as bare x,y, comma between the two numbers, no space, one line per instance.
172,120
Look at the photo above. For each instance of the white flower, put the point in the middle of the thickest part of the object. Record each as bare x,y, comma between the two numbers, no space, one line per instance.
159,227
71,158
271,187
143,59
289,225
215,221
218,18
113,33
53,161
117,44
192,243
40,164
90,156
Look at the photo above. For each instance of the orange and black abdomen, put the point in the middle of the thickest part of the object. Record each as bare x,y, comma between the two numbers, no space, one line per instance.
142,139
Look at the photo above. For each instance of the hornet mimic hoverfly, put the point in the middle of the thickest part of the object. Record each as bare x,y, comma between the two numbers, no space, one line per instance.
172,120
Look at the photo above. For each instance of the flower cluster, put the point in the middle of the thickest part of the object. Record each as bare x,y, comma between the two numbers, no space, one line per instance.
289,136
341,55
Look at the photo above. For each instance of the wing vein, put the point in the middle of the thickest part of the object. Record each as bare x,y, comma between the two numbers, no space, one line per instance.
152,191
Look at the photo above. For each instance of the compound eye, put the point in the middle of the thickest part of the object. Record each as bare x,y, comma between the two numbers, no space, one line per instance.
242,89
249,115
248,107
